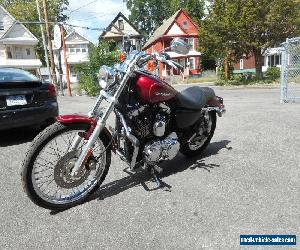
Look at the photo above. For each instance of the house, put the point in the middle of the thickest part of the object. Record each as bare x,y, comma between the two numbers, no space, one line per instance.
17,44
119,28
77,53
182,26
272,57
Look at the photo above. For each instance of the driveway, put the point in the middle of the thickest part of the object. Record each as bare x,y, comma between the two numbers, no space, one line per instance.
246,182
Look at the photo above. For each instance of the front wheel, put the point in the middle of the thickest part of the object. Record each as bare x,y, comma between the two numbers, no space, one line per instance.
47,167
197,143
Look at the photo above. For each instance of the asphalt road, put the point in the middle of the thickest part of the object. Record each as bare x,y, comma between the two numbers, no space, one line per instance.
247,182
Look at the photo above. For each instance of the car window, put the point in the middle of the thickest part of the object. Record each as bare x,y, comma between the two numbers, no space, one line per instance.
11,75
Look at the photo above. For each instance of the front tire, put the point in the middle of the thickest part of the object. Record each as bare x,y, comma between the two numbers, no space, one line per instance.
189,149
56,190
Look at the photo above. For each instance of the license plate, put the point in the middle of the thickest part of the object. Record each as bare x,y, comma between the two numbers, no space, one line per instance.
15,100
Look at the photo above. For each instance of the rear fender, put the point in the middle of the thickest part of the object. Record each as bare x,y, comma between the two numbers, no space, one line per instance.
216,104
68,120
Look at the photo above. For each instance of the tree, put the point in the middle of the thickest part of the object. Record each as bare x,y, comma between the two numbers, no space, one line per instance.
237,27
149,15
266,24
25,11
219,33
87,72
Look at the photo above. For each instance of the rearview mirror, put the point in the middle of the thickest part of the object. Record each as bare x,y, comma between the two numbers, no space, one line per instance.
180,46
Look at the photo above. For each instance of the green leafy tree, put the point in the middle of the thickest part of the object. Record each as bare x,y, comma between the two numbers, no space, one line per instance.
219,33
25,11
149,15
87,72
237,27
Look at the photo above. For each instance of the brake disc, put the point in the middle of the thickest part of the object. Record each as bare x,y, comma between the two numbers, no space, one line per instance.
63,170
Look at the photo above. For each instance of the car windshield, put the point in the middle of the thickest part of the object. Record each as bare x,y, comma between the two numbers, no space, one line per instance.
16,75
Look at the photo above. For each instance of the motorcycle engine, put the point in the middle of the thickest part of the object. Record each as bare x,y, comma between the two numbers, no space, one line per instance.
151,125
165,149
141,121
149,122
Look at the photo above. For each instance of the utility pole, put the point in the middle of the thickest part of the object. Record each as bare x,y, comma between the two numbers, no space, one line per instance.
49,43
66,61
44,40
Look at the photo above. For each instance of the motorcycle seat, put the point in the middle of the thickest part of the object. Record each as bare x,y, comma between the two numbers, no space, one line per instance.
195,97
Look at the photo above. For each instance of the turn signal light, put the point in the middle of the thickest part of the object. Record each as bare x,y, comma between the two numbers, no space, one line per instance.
151,66
122,57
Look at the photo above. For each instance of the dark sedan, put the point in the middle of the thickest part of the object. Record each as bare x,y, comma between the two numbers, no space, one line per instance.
25,100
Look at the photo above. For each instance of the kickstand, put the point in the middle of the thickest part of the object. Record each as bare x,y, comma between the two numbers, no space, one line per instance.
155,170
158,181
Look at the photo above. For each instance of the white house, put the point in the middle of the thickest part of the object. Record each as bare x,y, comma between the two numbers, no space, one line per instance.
17,44
77,53
119,28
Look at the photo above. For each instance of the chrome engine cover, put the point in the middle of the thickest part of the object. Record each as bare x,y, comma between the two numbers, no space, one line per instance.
160,150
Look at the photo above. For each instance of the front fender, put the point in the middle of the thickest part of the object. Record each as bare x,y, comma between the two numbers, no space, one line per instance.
68,120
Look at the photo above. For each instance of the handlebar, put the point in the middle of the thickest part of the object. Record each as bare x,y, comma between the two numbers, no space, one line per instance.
163,58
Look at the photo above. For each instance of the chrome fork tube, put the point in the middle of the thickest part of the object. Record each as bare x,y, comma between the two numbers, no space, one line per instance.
87,149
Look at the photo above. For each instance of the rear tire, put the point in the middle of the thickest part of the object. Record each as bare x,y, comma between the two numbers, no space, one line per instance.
186,148
51,133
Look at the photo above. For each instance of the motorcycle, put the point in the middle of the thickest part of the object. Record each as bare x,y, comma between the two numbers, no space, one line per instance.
68,161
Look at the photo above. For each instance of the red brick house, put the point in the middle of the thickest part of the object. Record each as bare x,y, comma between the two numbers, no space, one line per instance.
178,25
272,58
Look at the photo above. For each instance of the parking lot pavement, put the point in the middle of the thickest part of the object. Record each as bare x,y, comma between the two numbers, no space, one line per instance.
246,182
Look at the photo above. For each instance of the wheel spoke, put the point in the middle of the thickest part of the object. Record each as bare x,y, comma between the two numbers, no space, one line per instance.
51,174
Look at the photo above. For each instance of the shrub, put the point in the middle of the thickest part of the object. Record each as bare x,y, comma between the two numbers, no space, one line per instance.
88,85
273,73
87,72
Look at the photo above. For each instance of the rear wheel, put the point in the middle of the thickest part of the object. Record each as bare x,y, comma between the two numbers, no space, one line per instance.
46,170
198,142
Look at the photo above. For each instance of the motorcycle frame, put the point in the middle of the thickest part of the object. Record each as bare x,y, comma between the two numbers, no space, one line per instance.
101,120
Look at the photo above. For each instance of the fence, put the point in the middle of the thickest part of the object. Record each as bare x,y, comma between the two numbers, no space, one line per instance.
290,71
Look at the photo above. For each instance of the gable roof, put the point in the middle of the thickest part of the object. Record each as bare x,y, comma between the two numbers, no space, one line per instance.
11,32
14,26
111,25
166,26
74,32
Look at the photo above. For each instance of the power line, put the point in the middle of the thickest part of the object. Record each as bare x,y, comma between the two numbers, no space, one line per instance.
66,24
83,6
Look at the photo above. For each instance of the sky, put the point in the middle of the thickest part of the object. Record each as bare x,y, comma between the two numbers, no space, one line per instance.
94,14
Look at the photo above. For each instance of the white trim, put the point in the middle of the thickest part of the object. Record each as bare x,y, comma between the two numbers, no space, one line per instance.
241,63
82,36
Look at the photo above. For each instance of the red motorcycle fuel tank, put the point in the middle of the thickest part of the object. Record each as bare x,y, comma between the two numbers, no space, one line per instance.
152,89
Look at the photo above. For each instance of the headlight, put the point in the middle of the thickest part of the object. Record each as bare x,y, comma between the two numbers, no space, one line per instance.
107,76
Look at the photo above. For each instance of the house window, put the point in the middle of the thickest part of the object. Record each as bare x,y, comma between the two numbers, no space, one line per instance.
192,63
71,49
185,25
121,24
190,41
8,52
83,48
72,71
242,64
274,60
1,25
28,52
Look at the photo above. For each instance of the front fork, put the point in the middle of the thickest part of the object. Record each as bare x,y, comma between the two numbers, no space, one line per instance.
87,149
